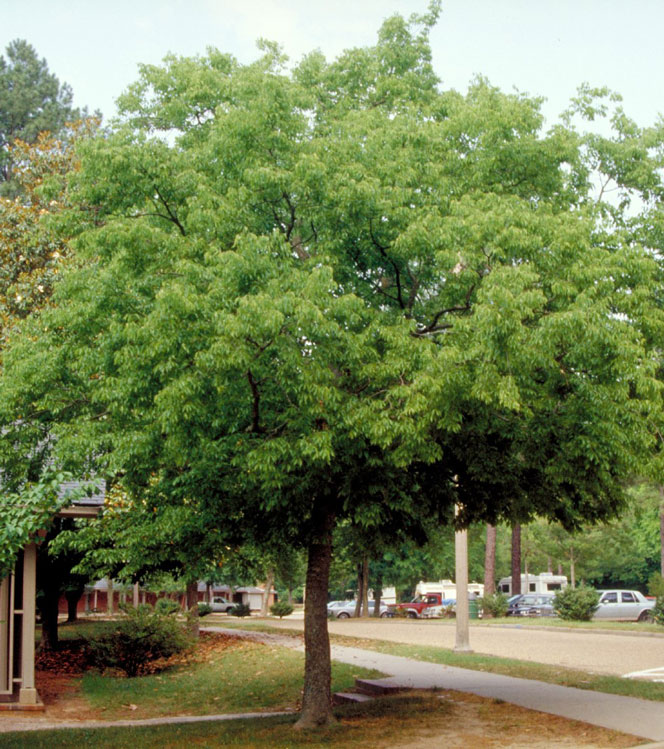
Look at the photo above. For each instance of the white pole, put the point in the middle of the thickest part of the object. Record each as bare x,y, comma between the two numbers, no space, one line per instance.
462,644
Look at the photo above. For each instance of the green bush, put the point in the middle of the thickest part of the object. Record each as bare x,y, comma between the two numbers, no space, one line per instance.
494,605
281,608
136,640
241,609
204,609
576,604
167,606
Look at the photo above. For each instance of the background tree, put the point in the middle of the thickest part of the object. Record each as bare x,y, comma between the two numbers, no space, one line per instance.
32,101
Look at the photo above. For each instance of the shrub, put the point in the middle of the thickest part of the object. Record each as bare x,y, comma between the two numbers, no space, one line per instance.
204,609
241,609
167,606
576,604
495,605
141,637
281,608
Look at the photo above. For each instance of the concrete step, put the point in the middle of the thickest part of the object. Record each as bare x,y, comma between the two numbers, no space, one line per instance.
344,698
376,688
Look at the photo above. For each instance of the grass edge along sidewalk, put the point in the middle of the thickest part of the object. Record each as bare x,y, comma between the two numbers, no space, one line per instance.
559,675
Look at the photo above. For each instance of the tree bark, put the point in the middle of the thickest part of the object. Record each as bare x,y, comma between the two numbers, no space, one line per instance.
516,559
490,560
110,603
360,588
365,585
192,608
73,596
572,568
269,582
316,695
378,595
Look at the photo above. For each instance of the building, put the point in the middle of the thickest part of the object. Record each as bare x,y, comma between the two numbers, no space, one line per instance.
18,613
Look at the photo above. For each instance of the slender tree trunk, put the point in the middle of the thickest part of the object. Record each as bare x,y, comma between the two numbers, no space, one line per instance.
490,560
378,595
269,583
572,568
360,588
365,585
316,695
109,597
516,559
290,596
193,619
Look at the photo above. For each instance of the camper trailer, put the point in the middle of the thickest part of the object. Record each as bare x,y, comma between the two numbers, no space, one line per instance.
545,582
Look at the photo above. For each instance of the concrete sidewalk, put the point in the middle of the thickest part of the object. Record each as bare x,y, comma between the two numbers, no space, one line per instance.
638,717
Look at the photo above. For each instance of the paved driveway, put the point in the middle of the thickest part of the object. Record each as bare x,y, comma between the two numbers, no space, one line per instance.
597,652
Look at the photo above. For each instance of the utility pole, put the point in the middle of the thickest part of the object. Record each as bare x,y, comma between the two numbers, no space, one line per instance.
462,643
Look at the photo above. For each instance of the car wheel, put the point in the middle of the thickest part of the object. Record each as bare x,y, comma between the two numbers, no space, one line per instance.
646,616
384,615
343,615
412,615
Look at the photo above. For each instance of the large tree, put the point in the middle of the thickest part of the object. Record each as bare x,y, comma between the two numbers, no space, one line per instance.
32,101
341,294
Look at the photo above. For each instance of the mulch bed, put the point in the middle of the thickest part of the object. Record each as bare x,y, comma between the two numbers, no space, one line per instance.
73,657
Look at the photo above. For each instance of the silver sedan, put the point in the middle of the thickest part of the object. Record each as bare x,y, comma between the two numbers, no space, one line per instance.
346,609
624,605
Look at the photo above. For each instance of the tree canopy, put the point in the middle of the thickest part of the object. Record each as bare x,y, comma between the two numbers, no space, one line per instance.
340,292
32,101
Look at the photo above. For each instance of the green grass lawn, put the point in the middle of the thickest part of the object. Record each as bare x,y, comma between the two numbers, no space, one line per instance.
246,677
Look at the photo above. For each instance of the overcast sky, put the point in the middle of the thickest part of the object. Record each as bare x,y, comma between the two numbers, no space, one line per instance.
543,47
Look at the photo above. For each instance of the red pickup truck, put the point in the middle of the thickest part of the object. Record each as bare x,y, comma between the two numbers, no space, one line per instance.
415,607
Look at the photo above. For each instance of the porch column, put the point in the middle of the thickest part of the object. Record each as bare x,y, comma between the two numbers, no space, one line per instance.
5,616
28,694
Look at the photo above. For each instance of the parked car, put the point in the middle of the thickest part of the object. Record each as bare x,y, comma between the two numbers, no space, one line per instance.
532,604
346,609
624,605
220,604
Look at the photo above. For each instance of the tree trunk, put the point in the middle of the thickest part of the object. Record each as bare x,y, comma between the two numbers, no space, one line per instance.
316,695
193,619
365,585
360,588
378,594
572,568
490,560
48,609
516,559
109,597
73,596
269,582
290,596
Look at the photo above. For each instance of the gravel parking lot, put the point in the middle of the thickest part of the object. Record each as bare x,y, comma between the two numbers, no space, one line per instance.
588,650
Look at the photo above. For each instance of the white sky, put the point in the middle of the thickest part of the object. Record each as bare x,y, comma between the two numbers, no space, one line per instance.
543,47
